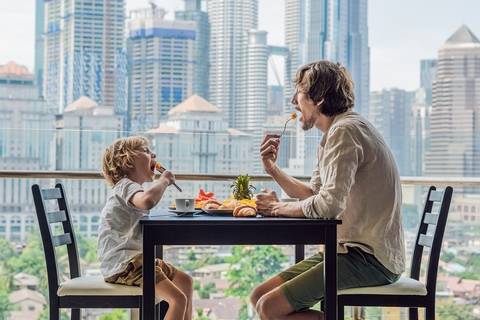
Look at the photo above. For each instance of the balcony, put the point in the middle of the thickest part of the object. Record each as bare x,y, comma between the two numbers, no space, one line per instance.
211,265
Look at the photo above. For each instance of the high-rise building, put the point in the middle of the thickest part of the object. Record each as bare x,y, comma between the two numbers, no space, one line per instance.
230,23
275,100
428,72
26,143
161,54
82,39
391,113
193,12
334,30
455,118
39,48
195,138
83,132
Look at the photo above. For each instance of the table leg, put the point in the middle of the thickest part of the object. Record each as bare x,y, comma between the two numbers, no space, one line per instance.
148,301
299,252
330,272
161,308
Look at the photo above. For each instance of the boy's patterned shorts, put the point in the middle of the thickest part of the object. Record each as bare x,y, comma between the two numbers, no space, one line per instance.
132,274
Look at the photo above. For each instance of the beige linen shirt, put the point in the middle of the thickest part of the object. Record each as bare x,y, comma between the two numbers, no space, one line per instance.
356,180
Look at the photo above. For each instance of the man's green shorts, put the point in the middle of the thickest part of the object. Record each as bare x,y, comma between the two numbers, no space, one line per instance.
303,283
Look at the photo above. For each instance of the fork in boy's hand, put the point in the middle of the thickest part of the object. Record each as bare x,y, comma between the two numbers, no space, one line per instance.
160,169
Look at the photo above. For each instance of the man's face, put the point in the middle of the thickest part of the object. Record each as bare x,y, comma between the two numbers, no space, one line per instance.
307,108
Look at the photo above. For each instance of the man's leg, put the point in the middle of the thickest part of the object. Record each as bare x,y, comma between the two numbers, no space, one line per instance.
280,279
265,287
275,306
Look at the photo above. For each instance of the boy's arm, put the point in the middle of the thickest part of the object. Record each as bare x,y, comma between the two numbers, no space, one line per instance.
150,197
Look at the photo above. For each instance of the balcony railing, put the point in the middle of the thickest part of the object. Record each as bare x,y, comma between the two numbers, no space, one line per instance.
94,175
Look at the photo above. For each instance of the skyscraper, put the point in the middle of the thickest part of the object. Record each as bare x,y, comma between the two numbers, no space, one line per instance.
455,118
39,48
333,30
391,113
161,54
193,12
230,22
428,72
82,41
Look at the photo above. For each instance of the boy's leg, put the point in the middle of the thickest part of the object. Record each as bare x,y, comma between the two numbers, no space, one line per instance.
185,283
176,299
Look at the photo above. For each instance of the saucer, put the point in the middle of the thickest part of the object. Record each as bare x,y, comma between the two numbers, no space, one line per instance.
185,213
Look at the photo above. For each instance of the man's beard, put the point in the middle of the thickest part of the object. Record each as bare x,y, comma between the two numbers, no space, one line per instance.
308,124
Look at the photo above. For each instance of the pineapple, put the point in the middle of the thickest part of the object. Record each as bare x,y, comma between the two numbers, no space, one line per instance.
241,188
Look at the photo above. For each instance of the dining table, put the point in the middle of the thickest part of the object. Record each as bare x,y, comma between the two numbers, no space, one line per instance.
169,229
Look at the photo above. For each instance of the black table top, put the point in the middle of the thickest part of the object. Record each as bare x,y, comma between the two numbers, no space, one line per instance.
168,218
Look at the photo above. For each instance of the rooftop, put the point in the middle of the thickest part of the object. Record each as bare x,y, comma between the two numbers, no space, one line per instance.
463,35
194,104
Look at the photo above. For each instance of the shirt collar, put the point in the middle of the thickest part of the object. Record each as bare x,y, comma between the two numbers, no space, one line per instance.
337,118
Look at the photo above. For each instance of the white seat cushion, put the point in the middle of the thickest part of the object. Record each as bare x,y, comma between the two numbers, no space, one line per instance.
95,286
405,286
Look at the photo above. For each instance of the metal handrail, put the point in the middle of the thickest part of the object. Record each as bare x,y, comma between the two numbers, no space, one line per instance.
95,175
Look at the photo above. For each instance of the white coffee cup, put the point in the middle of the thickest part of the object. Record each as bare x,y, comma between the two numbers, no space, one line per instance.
185,204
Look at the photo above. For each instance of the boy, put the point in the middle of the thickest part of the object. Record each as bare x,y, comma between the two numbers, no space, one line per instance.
127,164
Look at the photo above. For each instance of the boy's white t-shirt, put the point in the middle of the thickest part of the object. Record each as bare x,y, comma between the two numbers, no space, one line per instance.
120,235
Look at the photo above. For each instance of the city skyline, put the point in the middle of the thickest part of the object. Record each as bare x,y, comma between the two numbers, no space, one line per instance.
391,39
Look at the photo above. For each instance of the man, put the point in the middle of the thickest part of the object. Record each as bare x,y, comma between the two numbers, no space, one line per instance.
355,180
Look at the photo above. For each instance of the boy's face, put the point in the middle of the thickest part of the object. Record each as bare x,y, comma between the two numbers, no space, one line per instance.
144,166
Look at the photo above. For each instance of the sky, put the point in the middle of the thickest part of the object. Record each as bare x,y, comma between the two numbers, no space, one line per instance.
401,32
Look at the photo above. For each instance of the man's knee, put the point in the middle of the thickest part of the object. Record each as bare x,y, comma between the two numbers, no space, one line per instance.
265,308
255,296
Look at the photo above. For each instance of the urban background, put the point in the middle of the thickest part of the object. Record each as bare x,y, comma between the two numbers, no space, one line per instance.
203,83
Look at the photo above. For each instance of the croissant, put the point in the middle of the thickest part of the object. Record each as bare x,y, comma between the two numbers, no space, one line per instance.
211,204
245,211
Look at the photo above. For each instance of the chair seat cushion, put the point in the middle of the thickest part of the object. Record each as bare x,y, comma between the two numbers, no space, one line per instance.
95,286
404,286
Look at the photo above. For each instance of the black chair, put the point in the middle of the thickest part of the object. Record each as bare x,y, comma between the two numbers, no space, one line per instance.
409,291
79,291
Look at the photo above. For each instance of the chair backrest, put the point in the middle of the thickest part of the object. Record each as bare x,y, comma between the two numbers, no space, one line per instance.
430,234
49,240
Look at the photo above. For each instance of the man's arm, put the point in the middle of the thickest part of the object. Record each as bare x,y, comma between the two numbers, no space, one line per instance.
294,188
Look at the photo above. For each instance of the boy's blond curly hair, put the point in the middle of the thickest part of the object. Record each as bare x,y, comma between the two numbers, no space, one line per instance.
119,157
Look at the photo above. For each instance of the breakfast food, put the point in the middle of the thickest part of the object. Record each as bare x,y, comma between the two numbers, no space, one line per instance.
202,197
211,204
244,211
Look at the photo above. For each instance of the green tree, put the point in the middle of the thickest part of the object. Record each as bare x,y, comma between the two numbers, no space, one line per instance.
251,265
454,312
31,260
7,250
205,291
199,315
118,314
5,305
87,248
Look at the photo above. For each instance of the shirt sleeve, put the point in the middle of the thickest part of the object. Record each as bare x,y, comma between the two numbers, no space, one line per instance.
339,164
126,189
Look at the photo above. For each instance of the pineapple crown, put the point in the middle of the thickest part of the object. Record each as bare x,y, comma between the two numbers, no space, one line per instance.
241,188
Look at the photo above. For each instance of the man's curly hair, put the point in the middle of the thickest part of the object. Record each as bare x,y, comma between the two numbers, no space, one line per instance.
119,157
328,81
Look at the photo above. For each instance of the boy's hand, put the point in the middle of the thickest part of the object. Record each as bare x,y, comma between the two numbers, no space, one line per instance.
168,177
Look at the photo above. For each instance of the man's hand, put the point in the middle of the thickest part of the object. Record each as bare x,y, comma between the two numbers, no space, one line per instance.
269,152
268,205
